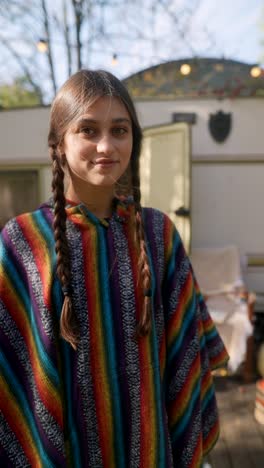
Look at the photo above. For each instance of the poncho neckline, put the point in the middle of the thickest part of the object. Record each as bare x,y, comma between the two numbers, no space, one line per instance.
123,209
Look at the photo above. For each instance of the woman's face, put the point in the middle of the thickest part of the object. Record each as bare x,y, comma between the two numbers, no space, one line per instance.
98,145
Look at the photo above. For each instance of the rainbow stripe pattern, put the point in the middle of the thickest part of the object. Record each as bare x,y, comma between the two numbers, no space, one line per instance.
118,401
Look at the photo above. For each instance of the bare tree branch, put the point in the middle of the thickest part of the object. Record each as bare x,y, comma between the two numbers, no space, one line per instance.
24,68
66,32
82,32
78,13
49,50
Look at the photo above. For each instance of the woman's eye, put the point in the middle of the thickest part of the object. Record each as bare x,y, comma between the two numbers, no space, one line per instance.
119,131
88,131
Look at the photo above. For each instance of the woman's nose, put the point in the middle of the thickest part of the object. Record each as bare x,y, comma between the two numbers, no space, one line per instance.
105,145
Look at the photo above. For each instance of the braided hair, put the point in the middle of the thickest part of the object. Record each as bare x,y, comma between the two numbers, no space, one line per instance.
80,91
68,321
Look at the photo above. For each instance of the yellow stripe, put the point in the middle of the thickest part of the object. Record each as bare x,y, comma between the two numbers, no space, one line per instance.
45,270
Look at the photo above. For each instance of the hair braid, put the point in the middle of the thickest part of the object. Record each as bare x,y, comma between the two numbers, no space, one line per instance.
143,262
68,322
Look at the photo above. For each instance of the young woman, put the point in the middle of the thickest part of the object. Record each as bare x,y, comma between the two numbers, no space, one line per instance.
106,343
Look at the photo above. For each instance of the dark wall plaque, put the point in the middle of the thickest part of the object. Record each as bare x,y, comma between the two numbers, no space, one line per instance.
188,117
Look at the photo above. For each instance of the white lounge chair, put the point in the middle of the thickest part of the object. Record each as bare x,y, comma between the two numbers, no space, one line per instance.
219,275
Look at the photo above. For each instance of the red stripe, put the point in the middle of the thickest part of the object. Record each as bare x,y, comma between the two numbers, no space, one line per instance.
177,317
206,382
40,252
168,230
219,360
178,405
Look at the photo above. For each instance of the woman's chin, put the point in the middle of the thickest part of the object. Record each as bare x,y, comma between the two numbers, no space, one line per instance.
101,181
96,180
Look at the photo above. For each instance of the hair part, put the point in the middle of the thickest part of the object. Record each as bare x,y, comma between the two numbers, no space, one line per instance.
74,98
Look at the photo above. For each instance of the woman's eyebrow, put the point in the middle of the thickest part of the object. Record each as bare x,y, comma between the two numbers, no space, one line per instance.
121,120
85,121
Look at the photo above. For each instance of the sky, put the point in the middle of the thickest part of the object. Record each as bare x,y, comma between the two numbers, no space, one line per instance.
236,26
227,28
181,28
216,28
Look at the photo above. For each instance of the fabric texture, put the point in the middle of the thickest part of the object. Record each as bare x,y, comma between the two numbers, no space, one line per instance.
117,401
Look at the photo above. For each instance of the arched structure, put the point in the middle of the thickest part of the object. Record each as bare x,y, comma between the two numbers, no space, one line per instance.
207,78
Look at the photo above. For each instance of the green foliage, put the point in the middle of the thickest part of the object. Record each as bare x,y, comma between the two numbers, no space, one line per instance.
19,94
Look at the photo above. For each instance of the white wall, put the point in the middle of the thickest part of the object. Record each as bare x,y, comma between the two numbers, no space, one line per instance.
23,133
227,208
246,137
227,181
23,136
227,205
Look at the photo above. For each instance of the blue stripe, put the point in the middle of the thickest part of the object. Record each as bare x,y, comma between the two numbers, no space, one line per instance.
202,342
210,335
14,277
187,416
171,268
21,401
23,297
43,226
188,318
207,397
110,351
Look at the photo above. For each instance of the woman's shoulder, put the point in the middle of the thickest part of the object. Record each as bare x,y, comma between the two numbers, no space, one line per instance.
158,218
15,225
160,228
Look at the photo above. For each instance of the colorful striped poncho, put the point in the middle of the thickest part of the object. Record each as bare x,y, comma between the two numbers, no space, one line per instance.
117,402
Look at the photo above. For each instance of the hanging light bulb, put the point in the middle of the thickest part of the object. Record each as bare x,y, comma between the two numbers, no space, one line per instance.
42,45
185,69
114,59
219,67
255,72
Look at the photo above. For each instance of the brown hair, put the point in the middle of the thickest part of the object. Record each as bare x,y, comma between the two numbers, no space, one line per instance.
80,91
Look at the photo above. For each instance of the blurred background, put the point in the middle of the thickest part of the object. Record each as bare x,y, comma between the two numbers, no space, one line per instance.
44,41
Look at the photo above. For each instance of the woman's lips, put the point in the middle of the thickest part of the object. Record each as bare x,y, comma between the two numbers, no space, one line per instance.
103,162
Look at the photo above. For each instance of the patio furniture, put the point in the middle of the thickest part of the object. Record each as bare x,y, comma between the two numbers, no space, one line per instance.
231,306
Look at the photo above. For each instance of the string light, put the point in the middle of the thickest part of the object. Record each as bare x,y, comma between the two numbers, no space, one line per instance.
255,72
219,67
185,69
42,45
114,59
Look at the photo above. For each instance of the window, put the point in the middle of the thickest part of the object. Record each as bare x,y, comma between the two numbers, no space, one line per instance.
18,193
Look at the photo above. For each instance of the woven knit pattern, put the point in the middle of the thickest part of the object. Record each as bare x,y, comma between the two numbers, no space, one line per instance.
118,401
